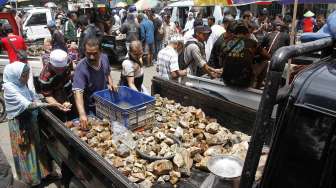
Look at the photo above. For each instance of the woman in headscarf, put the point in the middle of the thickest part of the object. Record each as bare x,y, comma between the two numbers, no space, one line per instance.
190,22
21,104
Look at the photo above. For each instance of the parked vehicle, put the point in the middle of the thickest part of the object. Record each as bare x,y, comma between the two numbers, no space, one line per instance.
115,47
35,22
180,9
302,145
34,62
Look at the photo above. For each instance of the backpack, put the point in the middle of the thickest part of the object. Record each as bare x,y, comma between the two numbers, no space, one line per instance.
237,64
182,64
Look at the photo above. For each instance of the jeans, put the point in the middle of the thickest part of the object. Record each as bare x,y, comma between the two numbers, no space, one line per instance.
158,47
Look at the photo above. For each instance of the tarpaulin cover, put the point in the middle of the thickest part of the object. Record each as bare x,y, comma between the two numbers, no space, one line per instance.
3,2
213,2
308,1
243,2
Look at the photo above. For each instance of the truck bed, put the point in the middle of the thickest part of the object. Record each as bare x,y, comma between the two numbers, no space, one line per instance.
231,115
34,62
94,171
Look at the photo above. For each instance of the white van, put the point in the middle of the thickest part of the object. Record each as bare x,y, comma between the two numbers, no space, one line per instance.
35,22
181,8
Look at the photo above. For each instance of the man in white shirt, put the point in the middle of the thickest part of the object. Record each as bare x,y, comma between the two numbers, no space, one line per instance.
167,66
169,29
217,31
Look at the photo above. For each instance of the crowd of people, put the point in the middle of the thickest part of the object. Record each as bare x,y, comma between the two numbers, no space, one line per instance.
74,65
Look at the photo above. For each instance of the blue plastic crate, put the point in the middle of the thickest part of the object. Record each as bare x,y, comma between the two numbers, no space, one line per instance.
131,108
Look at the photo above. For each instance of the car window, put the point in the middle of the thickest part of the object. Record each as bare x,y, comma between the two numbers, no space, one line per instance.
2,23
24,17
37,19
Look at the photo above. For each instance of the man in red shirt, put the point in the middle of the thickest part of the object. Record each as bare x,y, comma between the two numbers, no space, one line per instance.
17,42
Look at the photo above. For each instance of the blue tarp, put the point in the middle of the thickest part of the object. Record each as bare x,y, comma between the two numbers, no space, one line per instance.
308,1
239,2
3,2
244,2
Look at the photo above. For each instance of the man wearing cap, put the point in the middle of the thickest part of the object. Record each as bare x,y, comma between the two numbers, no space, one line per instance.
276,39
194,53
190,33
57,38
238,59
55,81
308,23
167,66
12,44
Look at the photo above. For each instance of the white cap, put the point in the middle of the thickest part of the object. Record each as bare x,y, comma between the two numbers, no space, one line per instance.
58,58
176,38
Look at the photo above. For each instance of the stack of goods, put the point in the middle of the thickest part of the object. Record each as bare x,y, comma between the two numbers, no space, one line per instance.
182,138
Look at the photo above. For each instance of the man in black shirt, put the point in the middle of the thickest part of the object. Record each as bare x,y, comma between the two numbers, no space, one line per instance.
276,39
158,32
238,59
215,56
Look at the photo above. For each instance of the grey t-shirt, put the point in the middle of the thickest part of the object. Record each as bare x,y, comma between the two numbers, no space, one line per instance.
194,56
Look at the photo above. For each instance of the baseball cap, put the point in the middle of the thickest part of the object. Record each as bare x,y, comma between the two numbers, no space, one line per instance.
176,38
202,29
59,59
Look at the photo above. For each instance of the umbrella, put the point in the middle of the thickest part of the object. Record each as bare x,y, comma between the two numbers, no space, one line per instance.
245,2
121,5
213,2
146,4
3,2
50,5
307,1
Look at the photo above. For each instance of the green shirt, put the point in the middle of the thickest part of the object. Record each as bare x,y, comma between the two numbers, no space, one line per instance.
70,31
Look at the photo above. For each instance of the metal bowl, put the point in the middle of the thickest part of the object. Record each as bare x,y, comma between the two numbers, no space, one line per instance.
225,166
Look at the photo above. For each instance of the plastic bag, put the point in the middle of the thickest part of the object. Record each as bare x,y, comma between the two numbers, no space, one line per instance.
122,134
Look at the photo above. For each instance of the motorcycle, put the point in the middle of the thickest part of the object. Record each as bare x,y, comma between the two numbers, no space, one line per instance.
115,47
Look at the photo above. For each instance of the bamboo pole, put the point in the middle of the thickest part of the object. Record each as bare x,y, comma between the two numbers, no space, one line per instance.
292,39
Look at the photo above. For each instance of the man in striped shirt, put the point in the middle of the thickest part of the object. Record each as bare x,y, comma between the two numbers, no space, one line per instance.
167,66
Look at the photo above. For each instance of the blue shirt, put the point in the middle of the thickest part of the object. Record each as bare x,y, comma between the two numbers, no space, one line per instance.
90,80
147,31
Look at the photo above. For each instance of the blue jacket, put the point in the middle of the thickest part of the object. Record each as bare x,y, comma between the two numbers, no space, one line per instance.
147,31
